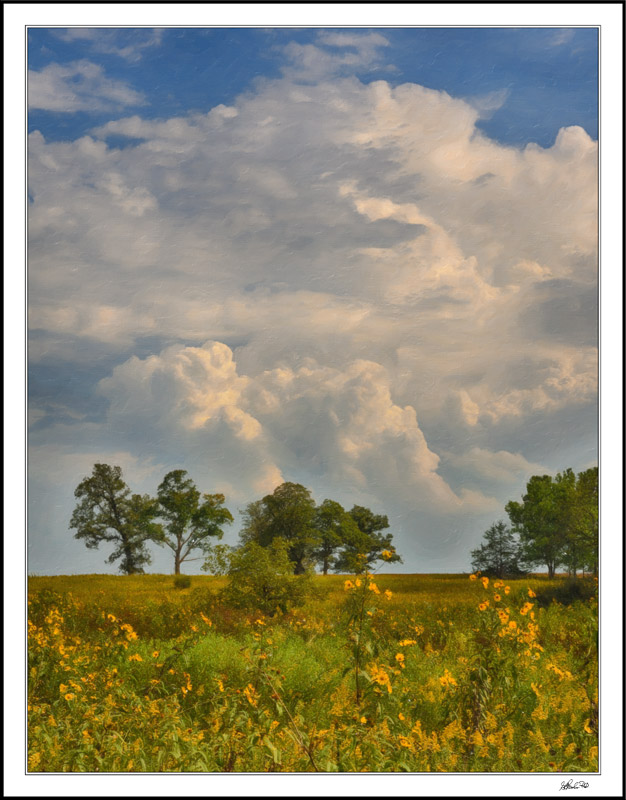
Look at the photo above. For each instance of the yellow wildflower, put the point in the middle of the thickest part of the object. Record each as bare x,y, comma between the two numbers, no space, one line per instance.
400,657
482,606
348,585
485,582
407,642
388,594
472,577
135,657
507,589
497,598
363,720
250,694
373,588
70,696
386,554
531,593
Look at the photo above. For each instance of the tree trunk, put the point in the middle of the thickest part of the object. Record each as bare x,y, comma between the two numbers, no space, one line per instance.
325,566
177,563
550,571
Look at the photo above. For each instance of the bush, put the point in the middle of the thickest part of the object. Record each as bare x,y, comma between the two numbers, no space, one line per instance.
182,581
566,592
262,579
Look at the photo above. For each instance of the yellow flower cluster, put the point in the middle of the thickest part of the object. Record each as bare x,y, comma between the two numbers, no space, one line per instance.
379,676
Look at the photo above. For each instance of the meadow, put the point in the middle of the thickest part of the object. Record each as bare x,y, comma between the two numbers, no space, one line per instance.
383,673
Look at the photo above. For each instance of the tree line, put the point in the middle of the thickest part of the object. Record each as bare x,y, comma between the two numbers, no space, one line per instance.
555,525
186,521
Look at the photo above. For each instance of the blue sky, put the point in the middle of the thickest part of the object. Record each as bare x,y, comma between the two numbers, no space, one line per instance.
549,75
360,259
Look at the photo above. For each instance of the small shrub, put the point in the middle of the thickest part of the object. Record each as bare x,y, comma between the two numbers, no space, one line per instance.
182,581
262,579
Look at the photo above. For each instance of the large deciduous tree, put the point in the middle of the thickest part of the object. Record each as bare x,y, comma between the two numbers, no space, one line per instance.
557,520
109,512
539,520
288,513
584,529
336,527
191,519
366,543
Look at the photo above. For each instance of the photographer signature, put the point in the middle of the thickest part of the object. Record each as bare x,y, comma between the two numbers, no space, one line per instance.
571,785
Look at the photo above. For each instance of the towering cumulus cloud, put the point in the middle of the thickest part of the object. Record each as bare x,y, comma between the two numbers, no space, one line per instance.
329,279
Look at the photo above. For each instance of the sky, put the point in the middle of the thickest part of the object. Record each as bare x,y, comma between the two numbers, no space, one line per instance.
364,260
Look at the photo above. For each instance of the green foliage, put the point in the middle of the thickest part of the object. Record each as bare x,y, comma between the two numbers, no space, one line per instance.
262,578
325,535
365,543
217,559
108,512
289,514
557,521
191,519
336,527
500,554
126,674
182,581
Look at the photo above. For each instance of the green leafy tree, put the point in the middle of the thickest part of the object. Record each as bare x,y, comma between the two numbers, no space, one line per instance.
500,554
366,543
544,520
108,512
217,559
191,519
336,527
289,514
262,578
584,521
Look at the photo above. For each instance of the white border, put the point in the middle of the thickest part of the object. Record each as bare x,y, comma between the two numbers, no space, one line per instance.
609,17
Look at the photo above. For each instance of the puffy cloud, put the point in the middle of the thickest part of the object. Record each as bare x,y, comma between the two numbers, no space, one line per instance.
336,426
326,281
339,53
79,86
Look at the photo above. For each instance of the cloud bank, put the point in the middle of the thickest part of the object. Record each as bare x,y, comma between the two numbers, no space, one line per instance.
330,281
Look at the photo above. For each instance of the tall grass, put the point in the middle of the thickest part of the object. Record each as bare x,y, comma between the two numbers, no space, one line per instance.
131,674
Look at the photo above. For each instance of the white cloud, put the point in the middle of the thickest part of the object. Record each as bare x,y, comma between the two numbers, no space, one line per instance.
500,467
330,282
115,41
356,53
79,86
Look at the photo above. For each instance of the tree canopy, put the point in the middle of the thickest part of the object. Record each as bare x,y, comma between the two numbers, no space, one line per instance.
191,519
289,514
324,535
366,543
108,512
557,521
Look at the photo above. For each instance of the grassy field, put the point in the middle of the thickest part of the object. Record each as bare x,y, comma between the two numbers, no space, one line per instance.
414,673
